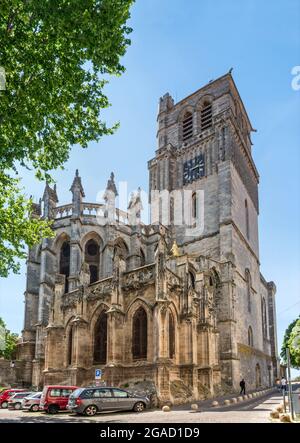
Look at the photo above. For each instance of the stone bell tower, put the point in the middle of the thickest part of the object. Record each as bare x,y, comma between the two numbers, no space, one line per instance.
204,185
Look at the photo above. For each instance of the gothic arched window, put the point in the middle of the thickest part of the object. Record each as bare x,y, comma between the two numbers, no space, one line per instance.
258,375
139,334
264,318
171,336
64,262
250,336
191,280
247,219
206,116
92,257
187,126
248,283
100,339
70,346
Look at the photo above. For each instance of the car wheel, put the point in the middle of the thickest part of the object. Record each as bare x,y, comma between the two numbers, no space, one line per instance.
17,406
91,410
53,409
34,408
4,405
139,407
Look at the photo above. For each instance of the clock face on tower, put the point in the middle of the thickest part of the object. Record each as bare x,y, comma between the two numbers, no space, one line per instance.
193,169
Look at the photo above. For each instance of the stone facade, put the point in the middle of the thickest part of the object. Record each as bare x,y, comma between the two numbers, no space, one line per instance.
190,312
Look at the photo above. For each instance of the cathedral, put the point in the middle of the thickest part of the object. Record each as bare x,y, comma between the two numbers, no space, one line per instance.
179,302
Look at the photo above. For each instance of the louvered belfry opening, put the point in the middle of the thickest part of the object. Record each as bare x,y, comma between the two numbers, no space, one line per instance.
139,334
206,116
187,126
100,340
64,263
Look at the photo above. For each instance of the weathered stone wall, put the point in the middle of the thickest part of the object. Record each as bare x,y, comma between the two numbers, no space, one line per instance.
250,359
238,212
11,376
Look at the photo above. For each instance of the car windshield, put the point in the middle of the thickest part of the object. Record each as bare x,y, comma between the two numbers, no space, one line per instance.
22,394
37,395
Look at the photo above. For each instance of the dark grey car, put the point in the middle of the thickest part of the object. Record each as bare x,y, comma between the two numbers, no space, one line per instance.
89,401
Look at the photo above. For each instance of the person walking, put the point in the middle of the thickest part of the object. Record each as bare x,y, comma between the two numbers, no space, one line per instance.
243,387
283,384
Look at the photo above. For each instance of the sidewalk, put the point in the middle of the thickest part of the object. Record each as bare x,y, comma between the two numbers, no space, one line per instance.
205,405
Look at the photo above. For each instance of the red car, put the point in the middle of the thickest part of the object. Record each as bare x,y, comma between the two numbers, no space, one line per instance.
5,396
55,398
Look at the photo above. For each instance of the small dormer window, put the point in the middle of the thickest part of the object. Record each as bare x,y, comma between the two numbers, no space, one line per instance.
206,116
187,126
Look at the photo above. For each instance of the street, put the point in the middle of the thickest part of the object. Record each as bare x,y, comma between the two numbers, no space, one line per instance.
251,411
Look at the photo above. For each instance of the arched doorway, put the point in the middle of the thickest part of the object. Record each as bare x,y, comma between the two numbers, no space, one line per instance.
100,339
258,375
139,334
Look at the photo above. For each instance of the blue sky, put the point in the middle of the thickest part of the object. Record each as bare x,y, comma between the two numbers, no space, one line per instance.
177,47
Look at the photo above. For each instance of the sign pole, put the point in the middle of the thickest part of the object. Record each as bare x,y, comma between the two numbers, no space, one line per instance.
98,376
291,406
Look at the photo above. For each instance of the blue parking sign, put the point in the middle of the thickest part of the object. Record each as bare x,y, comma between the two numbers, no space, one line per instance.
98,374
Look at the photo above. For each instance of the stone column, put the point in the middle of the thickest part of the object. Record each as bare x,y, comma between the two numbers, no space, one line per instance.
228,339
75,253
115,320
107,259
76,225
82,343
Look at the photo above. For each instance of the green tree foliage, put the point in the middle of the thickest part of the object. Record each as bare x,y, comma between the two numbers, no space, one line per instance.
9,340
17,227
291,340
57,56
294,345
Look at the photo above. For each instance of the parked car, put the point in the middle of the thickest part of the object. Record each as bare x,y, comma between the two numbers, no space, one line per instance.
3,389
5,396
55,398
91,400
32,402
15,401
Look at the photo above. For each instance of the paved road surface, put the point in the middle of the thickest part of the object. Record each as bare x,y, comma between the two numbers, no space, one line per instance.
253,411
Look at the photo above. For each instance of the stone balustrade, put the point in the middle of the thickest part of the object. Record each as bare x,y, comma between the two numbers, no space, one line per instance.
94,209
63,211
138,277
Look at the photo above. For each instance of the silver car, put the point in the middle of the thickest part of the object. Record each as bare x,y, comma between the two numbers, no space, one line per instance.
32,402
91,400
15,401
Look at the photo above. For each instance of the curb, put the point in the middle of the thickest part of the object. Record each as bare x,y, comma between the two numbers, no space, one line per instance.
241,399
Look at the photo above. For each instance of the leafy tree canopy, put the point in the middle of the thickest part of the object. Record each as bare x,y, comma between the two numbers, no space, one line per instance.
8,342
294,345
291,340
55,54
